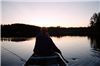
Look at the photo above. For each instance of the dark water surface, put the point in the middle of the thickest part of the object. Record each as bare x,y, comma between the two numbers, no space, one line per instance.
79,51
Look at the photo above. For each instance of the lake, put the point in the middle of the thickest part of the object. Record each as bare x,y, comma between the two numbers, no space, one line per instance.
78,50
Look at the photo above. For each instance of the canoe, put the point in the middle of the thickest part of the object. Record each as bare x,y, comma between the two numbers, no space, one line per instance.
53,60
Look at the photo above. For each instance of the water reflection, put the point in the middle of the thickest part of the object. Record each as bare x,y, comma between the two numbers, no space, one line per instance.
21,39
95,42
16,39
74,48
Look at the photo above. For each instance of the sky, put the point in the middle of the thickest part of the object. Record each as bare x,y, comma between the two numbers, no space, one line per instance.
45,13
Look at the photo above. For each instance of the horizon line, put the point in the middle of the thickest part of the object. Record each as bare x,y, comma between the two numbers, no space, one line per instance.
45,26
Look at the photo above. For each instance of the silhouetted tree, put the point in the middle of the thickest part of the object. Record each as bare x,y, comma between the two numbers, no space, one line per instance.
98,21
95,23
93,20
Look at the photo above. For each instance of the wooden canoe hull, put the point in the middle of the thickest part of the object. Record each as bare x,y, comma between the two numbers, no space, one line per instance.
53,60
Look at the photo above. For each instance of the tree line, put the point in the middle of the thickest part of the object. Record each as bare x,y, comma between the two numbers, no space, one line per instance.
18,30
23,30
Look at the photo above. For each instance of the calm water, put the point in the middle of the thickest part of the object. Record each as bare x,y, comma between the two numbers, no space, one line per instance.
75,49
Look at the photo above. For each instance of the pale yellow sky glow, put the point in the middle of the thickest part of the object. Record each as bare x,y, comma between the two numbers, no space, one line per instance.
65,14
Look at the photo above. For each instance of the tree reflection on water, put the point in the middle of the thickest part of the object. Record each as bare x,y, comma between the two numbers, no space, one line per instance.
95,42
16,39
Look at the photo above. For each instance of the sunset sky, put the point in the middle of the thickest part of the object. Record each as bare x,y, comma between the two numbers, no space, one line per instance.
45,13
